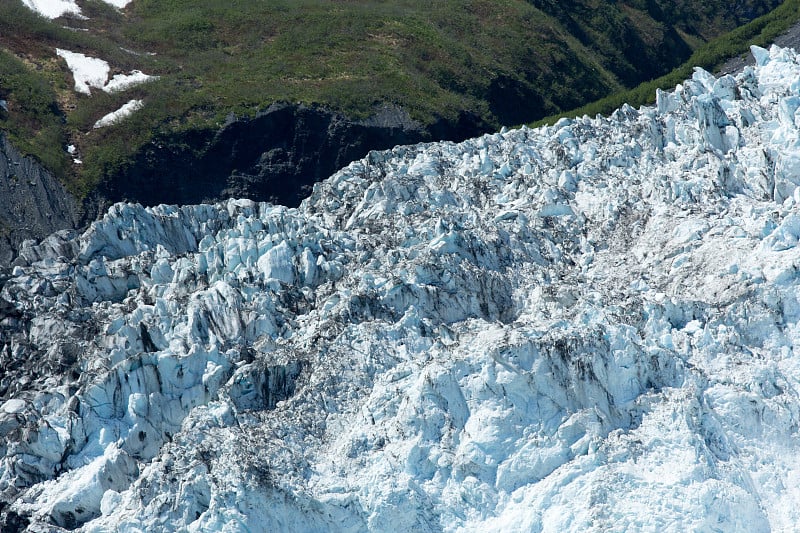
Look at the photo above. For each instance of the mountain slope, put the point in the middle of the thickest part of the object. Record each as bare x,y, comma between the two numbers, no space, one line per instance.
479,63
584,327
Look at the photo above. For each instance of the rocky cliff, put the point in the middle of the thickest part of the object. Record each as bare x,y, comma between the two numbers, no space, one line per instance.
276,156
33,204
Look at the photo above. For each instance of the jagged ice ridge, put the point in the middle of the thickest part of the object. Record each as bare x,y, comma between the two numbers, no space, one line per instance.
583,327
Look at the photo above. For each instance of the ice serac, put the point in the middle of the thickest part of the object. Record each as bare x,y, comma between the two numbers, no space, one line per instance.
582,327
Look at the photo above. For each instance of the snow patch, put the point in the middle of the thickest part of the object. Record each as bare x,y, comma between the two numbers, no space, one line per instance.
118,3
91,72
53,8
87,71
120,82
56,8
119,114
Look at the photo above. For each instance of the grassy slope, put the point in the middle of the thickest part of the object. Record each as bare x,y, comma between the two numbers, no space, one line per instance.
760,32
508,61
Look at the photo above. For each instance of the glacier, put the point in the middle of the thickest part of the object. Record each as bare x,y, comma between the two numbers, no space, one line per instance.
588,326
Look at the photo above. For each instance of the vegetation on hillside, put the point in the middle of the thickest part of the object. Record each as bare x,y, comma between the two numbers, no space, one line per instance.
505,61
33,119
759,32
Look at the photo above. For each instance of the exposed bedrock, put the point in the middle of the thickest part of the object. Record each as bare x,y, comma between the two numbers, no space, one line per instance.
33,204
277,156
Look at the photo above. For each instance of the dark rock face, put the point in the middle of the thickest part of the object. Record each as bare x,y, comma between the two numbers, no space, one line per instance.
277,156
33,203
515,102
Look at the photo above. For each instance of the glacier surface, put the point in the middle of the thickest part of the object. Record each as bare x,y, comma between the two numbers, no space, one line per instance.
582,327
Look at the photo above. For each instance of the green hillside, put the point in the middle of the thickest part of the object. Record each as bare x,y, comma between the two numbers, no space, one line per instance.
505,61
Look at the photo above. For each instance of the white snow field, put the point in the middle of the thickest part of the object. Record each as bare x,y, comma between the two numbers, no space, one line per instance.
57,8
91,72
53,8
584,327
87,72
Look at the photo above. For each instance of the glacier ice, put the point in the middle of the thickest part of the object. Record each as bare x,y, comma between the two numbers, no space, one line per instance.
583,327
